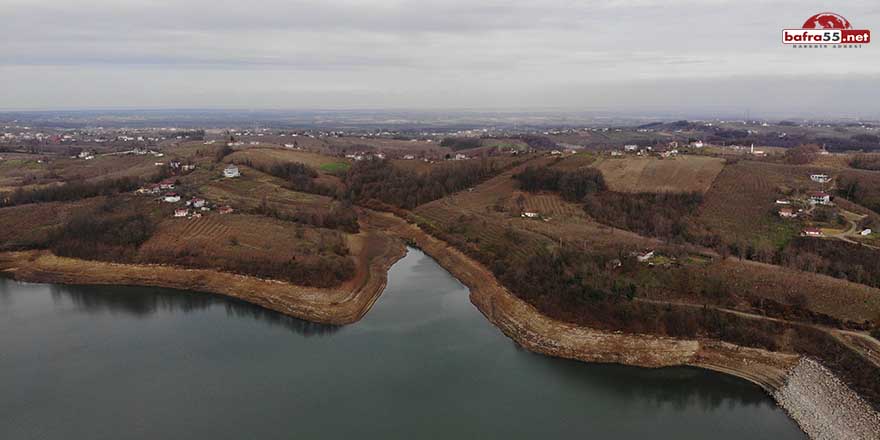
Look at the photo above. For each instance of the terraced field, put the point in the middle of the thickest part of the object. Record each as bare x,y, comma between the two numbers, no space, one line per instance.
483,216
329,167
741,203
253,187
648,174
267,156
237,237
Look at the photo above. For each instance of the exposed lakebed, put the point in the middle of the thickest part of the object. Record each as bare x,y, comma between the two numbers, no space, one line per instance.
126,362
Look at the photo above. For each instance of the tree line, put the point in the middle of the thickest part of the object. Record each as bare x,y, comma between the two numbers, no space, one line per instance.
380,180
571,185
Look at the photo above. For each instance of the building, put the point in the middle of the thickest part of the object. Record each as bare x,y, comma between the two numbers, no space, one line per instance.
171,198
865,232
787,213
812,232
820,198
409,157
630,148
196,202
181,212
644,256
820,178
697,144
459,156
231,171
530,214
167,184
225,210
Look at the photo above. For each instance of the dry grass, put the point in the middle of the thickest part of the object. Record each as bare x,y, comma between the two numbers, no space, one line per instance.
831,296
236,237
29,225
493,208
649,174
265,156
740,205
253,187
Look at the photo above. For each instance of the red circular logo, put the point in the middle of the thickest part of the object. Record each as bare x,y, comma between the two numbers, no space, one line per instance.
826,20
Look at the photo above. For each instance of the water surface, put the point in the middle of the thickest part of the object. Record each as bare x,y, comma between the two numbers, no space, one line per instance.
143,363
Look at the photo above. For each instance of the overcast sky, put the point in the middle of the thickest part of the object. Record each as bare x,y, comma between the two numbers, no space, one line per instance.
694,56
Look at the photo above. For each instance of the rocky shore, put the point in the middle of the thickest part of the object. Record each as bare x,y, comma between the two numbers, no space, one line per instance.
821,404
825,407
340,305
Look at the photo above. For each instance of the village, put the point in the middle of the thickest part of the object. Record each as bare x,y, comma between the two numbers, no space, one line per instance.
166,191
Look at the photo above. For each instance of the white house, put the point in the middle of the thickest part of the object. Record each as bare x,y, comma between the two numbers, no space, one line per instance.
644,256
866,232
171,198
697,144
231,171
820,178
460,156
530,214
630,148
197,202
181,212
820,198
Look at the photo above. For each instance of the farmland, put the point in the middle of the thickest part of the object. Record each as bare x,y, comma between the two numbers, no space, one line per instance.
740,205
648,174
611,242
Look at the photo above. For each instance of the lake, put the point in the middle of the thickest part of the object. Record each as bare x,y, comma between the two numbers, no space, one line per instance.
144,363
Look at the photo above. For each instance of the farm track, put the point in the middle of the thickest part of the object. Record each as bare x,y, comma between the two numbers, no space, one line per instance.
859,342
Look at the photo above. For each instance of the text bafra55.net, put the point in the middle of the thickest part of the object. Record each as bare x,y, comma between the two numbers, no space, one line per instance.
826,36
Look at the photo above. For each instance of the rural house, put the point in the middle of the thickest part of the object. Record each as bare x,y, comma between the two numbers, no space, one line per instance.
196,202
181,212
644,256
167,184
820,198
820,178
231,171
171,198
787,213
225,210
812,232
530,214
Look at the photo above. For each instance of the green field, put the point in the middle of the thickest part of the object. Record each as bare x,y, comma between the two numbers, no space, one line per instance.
335,167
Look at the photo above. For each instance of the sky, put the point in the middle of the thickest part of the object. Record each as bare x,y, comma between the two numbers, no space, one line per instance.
641,56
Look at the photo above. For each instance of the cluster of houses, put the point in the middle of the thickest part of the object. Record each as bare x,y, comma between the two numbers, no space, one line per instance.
85,155
176,165
195,206
665,152
363,156
820,178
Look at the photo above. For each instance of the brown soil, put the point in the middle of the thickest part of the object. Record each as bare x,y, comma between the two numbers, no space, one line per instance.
539,333
376,252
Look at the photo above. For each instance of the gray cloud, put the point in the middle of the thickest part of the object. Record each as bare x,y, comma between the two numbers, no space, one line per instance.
421,54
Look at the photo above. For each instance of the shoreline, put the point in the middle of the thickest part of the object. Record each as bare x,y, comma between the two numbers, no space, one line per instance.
340,305
842,413
776,373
